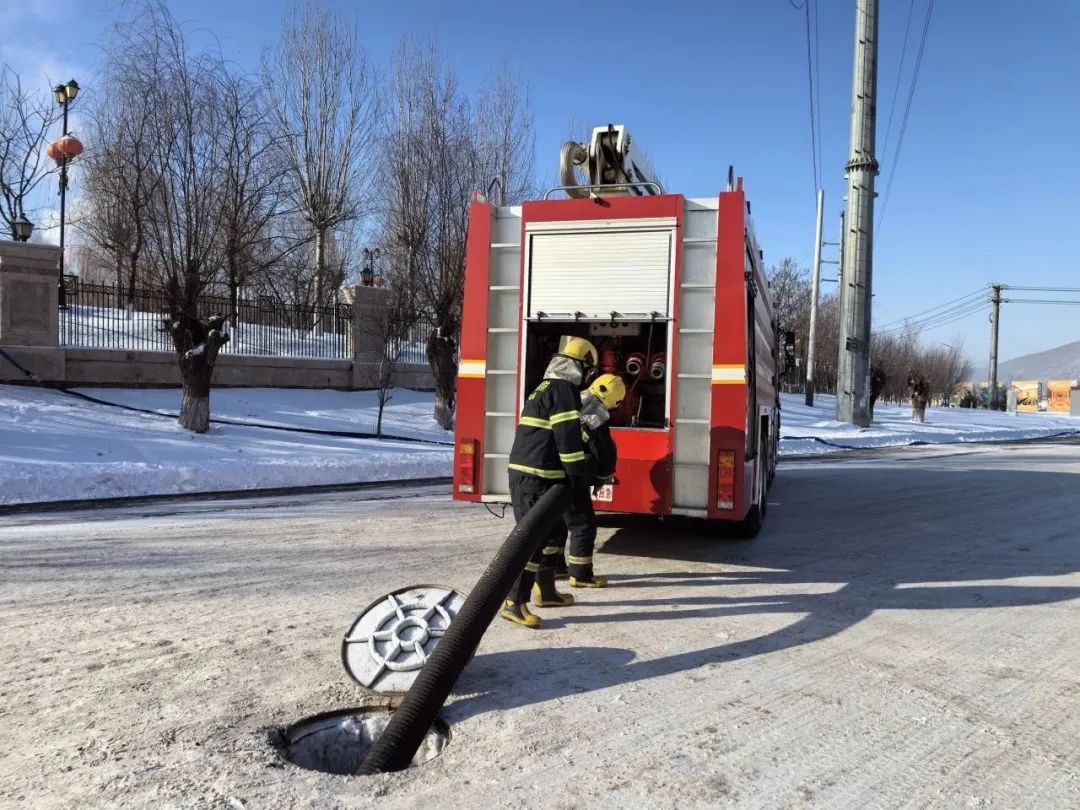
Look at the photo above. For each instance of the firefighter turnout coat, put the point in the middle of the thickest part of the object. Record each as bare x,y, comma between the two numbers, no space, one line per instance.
548,442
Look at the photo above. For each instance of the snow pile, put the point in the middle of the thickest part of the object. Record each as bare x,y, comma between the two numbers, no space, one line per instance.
54,446
57,447
815,430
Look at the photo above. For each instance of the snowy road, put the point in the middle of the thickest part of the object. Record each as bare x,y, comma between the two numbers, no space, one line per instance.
902,634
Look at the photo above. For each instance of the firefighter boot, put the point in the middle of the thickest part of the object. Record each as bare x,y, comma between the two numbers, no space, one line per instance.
561,571
518,613
588,582
544,593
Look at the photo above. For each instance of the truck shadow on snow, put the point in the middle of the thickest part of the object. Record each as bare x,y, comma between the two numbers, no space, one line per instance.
836,548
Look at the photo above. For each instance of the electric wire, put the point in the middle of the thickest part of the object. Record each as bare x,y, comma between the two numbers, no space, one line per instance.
941,319
817,88
1042,289
954,302
935,324
899,75
1037,301
907,112
810,95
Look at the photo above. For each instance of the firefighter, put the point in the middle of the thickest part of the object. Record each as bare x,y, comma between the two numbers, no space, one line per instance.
604,395
548,450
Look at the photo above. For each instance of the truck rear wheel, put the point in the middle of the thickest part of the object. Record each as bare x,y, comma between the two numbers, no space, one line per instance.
749,527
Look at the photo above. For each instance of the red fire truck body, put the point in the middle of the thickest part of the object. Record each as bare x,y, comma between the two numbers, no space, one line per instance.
672,292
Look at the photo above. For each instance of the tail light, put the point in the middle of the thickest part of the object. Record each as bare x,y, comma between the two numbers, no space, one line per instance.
725,479
466,456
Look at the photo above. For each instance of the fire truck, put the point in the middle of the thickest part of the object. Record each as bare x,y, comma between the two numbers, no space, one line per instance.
672,292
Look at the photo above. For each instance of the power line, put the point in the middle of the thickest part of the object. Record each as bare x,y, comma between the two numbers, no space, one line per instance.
907,112
899,75
940,319
1036,301
956,301
810,85
817,87
1043,289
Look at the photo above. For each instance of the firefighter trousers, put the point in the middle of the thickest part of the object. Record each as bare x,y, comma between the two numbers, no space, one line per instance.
525,491
580,520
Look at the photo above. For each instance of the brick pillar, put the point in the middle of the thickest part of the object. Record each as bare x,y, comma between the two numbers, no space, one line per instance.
367,340
29,318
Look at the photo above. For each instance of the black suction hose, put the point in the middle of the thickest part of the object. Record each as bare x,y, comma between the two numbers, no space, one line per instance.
397,745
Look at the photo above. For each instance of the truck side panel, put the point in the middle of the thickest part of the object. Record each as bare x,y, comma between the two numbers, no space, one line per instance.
729,384
471,382
694,328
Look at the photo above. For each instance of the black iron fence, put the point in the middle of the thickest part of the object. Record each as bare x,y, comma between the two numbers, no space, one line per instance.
108,317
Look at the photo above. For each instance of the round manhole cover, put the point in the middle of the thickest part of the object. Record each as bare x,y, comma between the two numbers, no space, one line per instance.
391,640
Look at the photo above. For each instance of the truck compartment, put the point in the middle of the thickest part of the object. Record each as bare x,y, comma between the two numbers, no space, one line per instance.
635,350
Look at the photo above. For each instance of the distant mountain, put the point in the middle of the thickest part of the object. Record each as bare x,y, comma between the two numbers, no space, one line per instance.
1062,363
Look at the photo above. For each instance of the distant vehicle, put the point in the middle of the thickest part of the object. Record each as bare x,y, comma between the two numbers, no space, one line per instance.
671,290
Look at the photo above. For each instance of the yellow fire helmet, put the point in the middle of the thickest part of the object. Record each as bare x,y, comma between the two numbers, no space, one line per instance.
578,348
609,389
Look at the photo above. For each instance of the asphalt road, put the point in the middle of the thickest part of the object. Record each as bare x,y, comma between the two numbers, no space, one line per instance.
902,634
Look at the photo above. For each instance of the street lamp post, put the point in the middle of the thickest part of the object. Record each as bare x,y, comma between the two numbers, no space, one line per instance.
367,272
21,228
65,94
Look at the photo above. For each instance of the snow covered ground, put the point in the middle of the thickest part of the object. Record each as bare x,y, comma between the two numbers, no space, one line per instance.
815,430
58,447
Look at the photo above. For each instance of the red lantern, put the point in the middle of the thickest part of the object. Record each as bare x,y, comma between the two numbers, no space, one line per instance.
65,149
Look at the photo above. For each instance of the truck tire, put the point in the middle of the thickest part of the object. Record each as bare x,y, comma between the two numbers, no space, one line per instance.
749,527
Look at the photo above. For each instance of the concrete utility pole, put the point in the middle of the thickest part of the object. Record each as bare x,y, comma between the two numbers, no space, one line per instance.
995,315
815,286
853,363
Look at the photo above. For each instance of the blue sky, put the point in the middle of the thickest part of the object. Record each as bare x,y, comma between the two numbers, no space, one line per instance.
986,188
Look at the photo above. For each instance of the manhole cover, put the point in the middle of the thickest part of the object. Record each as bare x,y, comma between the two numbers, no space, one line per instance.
337,742
391,640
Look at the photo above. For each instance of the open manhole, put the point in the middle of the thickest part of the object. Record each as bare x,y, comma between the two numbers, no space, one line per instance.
383,651
337,742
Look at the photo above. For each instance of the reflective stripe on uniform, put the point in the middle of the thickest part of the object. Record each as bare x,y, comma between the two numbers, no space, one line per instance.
532,567
552,549
537,471
570,458
564,416
532,421
572,560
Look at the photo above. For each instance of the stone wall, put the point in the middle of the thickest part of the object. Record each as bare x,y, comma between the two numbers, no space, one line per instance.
29,333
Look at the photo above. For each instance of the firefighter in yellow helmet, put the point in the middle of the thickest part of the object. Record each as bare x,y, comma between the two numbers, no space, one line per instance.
548,450
604,395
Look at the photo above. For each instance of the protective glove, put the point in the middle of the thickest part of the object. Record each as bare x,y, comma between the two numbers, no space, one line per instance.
601,482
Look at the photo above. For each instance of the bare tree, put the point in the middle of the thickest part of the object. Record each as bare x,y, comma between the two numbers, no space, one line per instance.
25,120
119,192
507,144
436,149
323,97
789,285
390,326
252,194
183,217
